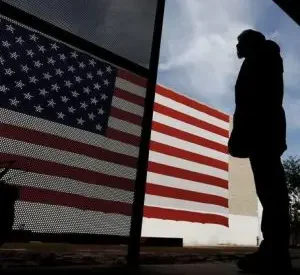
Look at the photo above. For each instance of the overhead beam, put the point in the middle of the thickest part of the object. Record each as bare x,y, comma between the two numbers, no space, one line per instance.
291,8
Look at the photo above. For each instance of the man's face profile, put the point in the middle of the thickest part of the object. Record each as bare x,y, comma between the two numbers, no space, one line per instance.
240,49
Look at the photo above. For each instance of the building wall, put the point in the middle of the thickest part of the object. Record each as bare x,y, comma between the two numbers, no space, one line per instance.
243,227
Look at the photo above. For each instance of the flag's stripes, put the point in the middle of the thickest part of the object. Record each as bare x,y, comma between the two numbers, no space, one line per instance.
180,115
126,85
71,186
64,131
120,114
191,103
180,215
140,81
53,168
187,155
124,126
123,137
196,186
181,194
127,106
188,128
184,174
188,166
129,97
205,148
56,142
43,218
188,137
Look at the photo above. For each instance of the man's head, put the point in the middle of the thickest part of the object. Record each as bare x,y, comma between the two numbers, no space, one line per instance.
249,41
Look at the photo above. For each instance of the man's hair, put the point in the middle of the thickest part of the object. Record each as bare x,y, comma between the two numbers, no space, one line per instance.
252,36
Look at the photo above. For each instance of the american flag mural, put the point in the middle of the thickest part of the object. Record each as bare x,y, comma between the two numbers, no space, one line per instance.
73,123
188,163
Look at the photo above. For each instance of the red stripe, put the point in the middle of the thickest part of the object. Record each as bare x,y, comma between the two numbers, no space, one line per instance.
170,131
129,97
37,195
118,113
132,78
190,120
185,174
179,215
180,194
191,103
123,137
182,154
49,140
61,170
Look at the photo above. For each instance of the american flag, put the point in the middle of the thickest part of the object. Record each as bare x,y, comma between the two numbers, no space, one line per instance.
188,164
73,122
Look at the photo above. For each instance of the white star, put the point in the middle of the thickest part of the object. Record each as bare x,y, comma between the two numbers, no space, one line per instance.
82,65
2,60
61,115
30,53
25,68
5,44
68,83
43,92
14,55
47,76
86,90
51,103
19,84
64,99
51,61
99,72
62,57
92,62
38,108
41,48
19,40
54,46
80,121
98,127
75,94
104,96
59,72
55,87
71,69
9,72
37,64
74,54
33,37
109,69
14,102
91,116
97,86
78,79
94,100
71,109
83,105
28,96
106,82
10,28
3,89
33,79
100,111
89,76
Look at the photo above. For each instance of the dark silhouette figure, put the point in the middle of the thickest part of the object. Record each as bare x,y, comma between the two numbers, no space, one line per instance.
259,133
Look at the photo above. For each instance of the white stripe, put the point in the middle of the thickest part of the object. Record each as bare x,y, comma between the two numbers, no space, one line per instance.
127,106
124,126
187,165
130,87
188,185
190,206
191,111
69,186
188,146
10,146
42,125
180,125
45,218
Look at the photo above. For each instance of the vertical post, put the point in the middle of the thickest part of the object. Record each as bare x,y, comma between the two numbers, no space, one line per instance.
140,183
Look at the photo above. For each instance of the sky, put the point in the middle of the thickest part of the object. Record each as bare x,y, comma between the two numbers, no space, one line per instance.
198,52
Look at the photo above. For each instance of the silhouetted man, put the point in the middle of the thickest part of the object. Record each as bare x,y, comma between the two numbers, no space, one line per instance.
259,133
